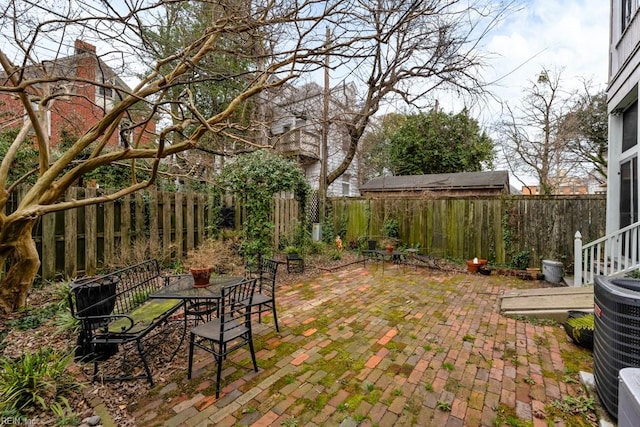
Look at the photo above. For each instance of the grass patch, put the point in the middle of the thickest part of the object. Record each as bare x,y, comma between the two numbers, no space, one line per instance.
535,320
452,385
572,410
506,415
541,340
443,406
373,397
281,383
577,359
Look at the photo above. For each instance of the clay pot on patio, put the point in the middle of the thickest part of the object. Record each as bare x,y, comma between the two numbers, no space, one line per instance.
474,264
201,276
389,248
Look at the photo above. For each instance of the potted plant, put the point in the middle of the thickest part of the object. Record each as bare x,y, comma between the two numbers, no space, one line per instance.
473,265
200,266
292,250
388,244
579,327
295,262
391,233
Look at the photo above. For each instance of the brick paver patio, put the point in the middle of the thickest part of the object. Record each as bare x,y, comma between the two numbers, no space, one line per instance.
363,346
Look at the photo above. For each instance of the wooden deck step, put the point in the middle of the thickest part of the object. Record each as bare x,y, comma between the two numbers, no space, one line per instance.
547,303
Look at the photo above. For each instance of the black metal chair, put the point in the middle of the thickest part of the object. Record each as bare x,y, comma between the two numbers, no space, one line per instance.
265,296
230,331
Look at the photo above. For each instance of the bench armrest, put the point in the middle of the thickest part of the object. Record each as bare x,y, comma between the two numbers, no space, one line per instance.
110,323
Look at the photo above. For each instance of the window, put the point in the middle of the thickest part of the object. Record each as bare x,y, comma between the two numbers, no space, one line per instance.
629,8
346,187
630,127
628,192
106,92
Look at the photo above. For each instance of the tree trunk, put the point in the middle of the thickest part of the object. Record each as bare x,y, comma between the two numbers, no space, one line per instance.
19,251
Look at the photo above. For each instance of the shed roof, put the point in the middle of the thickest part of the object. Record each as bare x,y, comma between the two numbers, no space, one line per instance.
497,180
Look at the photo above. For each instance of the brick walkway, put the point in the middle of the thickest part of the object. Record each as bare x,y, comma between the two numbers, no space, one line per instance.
363,346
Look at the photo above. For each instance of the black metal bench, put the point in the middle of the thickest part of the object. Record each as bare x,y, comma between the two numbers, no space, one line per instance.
115,309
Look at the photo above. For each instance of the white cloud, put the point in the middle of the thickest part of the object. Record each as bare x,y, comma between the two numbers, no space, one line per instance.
568,35
572,35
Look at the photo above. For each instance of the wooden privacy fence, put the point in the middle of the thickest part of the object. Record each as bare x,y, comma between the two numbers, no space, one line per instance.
162,225
156,224
495,228
165,225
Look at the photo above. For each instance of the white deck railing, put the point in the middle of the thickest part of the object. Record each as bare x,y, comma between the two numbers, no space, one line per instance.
614,254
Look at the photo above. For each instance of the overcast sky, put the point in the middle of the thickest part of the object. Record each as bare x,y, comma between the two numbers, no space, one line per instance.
572,35
568,34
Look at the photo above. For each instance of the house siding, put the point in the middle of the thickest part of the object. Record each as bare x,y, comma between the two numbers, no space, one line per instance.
297,111
622,91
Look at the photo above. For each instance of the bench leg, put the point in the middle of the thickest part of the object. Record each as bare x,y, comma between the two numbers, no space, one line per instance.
142,353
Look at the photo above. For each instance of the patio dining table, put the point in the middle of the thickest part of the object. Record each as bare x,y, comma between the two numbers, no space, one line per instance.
196,300
183,289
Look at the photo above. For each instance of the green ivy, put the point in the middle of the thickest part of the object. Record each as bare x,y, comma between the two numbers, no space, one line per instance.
520,261
26,158
391,228
255,178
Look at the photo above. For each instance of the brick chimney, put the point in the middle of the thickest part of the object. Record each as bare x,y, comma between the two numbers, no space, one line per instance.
84,47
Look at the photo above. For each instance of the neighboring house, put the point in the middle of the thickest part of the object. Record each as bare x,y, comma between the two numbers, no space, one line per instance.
568,186
296,117
462,184
76,103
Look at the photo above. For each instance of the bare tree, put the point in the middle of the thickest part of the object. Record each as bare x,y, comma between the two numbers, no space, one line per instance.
587,125
410,51
394,47
534,140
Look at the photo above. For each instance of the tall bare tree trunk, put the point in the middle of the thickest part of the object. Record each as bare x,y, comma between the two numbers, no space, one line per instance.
19,250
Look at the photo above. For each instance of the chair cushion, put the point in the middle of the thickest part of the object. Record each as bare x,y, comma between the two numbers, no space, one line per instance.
145,315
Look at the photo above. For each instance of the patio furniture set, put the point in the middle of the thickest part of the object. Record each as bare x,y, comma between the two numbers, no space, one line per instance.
134,303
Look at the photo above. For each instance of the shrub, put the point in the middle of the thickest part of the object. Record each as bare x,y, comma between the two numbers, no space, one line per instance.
391,228
520,261
36,380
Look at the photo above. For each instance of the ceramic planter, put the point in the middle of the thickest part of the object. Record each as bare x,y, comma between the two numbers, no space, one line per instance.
201,276
474,264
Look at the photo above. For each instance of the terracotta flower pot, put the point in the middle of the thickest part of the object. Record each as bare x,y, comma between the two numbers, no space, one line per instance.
201,276
389,248
473,267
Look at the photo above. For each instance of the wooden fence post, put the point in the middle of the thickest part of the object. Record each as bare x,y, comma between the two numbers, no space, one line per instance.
109,232
90,235
71,236
48,251
154,232
190,227
577,262
178,238
166,226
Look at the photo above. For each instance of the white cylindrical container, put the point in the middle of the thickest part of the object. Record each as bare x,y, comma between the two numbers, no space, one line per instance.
552,270
316,232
